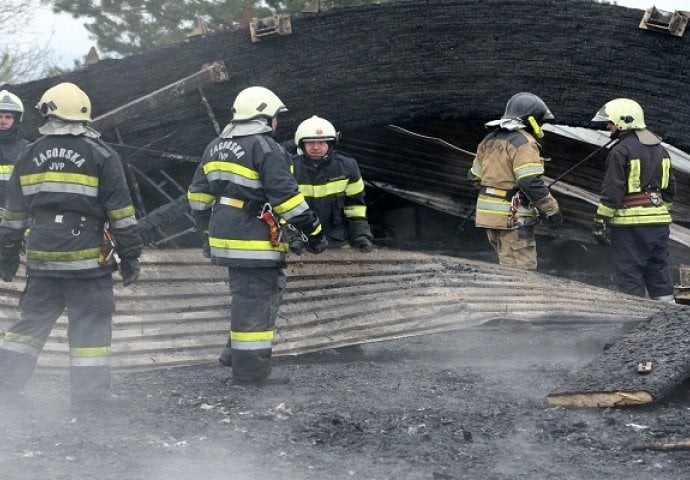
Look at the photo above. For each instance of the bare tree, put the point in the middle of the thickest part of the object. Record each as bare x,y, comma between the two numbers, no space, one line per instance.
21,57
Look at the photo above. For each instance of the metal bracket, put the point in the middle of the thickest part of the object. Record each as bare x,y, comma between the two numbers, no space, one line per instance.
644,367
672,23
259,28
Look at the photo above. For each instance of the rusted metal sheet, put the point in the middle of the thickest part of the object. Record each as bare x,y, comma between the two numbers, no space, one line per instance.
178,313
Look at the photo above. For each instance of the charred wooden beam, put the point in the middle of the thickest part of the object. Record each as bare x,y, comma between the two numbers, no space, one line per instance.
211,73
616,379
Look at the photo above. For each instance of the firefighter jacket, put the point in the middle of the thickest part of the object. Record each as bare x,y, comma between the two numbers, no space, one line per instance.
335,190
240,176
508,169
639,184
63,189
12,143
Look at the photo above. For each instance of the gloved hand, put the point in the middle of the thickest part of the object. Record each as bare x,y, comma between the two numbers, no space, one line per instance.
10,245
206,248
555,219
601,232
294,239
9,264
363,244
317,243
129,269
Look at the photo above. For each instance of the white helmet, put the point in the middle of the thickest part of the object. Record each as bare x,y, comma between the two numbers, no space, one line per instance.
9,102
256,102
315,129
65,101
626,114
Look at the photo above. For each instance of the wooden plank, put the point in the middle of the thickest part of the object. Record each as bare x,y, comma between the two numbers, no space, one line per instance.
613,379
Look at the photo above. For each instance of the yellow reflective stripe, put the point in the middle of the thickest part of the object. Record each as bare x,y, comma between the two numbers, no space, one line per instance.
121,213
643,215
23,339
316,231
354,188
355,211
528,170
229,167
476,169
58,177
15,216
89,352
665,172
325,190
6,168
62,256
604,211
257,245
289,204
634,184
200,200
261,336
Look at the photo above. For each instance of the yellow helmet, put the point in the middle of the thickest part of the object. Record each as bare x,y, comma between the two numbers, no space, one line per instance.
66,101
256,102
315,129
9,102
626,114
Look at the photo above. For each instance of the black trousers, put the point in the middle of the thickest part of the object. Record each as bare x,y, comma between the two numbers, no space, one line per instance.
90,305
256,296
640,258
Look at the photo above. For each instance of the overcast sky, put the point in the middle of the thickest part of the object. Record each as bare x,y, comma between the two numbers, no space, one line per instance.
70,41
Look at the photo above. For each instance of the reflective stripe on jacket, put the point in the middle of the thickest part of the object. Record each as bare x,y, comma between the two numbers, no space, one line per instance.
71,181
253,169
335,190
507,161
633,168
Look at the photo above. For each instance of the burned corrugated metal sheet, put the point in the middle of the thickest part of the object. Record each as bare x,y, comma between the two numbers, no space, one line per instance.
178,312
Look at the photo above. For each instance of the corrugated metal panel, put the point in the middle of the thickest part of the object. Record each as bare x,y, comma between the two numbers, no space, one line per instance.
178,313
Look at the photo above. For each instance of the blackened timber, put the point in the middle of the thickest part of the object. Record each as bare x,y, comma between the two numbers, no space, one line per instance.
613,379
211,73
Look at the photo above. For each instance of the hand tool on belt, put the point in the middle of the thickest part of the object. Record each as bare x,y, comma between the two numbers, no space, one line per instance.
265,214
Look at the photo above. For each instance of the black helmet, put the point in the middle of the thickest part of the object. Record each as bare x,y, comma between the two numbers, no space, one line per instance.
523,105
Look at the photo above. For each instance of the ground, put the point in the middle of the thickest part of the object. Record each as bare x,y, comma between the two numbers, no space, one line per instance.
463,405
469,404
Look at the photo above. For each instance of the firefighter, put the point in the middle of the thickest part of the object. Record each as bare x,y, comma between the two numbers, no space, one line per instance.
241,190
638,188
12,140
332,185
65,187
512,195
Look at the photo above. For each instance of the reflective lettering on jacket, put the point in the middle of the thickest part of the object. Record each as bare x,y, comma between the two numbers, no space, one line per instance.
505,159
57,181
254,170
633,167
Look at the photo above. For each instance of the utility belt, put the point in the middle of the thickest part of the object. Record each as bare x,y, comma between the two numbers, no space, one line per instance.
261,210
498,192
75,222
643,199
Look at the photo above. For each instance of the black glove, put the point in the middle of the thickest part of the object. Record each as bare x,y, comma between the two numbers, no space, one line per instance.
10,245
206,248
363,244
317,243
601,232
129,269
9,264
555,219
294,239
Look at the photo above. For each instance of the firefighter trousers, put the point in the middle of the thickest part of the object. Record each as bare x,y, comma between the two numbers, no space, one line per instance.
90,305
256,296
640,260
515,248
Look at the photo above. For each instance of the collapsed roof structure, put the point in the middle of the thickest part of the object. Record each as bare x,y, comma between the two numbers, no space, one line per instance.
410,85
